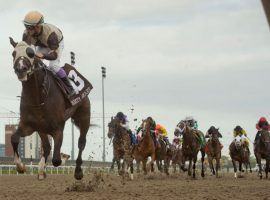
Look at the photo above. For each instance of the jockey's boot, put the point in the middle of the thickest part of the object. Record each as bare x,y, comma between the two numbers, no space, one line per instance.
70,89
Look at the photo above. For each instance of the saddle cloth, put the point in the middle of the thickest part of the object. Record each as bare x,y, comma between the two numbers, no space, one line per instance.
80,84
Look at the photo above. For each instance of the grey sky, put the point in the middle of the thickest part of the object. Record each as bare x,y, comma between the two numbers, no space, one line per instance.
169,59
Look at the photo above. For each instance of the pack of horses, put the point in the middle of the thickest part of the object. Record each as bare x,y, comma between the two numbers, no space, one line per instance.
163,155
44,109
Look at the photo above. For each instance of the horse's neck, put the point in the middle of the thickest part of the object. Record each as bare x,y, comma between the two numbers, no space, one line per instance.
214,142
187,135
31,89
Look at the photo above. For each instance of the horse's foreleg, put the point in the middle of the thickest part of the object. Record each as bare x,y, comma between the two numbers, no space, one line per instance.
250,170
21,131
58,139
235,169
153,158
202,161
267,168
240,169
210,161
138,166
189,167
46,152
217,166
258,158
144,166
167,165
131,169
194,167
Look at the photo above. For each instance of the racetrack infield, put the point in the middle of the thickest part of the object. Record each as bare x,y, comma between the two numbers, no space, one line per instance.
156,186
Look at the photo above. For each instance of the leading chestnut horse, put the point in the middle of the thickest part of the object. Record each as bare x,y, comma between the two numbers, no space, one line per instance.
45,109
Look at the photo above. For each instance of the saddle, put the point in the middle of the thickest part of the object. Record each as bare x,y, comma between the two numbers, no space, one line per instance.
80,84
199,136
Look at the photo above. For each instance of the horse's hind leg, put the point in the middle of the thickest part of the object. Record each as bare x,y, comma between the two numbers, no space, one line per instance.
112,166
21,131
46,152
82,120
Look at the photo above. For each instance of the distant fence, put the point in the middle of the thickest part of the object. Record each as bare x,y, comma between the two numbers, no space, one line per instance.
10,161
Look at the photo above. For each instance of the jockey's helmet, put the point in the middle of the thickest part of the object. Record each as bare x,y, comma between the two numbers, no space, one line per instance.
262,119
33,18
158,127
238,128
120,115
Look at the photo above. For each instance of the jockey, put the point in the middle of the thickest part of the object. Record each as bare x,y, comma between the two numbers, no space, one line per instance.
261,125
140,133
125,124
123,120
239,131
191,122
161,131
209,132
48,43
176,141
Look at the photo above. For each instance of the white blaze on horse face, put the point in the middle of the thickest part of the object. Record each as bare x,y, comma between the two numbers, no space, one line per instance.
144,125
20,67
235,175
237,139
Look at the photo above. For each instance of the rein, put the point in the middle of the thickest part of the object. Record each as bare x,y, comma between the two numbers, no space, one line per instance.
45,81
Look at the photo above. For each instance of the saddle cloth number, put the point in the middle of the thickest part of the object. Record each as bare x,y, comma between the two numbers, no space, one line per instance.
78,83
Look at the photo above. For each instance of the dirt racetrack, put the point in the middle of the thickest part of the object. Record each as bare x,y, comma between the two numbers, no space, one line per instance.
156,186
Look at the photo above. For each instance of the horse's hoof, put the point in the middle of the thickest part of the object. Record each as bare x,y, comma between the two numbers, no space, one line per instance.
56,162
41,176
20,168
78,175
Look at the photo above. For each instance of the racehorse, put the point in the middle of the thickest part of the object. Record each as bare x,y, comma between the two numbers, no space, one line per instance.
123,148
262,151
191,146
146,146
239,152
115,134
45,109
164,154
176,156
213,149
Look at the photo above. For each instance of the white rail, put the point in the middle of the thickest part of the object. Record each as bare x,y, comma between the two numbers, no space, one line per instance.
33,169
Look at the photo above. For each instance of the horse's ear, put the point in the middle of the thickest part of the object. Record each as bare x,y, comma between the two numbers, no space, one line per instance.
30,52
12,42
